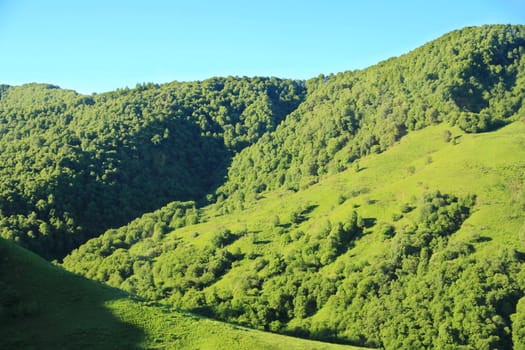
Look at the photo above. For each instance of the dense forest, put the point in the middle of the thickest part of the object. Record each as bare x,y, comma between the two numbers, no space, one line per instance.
474,78
74,166
381,207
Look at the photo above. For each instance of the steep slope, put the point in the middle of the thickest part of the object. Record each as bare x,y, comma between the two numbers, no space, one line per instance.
44,307
74,166
420,246
473,78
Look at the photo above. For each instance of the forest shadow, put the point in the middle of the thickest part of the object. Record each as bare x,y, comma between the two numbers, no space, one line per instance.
302,215
286,225
325,335
309,209
520,255
369,222
482,239
262,241
148,173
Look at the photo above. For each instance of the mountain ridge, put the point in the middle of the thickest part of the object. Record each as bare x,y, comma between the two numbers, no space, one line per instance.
381,207
355,113
77,165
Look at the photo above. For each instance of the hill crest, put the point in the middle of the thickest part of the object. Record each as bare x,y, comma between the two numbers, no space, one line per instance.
381,207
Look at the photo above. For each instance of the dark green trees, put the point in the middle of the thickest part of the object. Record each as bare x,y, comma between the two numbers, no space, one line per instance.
74,166
472,77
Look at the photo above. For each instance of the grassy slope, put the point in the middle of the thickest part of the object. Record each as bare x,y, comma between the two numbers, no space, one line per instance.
65,311
489,165
483,164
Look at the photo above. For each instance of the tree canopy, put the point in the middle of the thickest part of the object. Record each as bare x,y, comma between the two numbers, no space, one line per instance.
473,78
74,165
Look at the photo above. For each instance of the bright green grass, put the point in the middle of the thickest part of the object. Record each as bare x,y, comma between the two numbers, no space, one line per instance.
489,165
66,311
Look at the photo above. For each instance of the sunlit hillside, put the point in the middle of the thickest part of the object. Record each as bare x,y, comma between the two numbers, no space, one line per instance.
363,256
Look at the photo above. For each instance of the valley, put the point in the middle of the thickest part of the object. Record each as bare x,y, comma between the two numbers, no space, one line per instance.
375,208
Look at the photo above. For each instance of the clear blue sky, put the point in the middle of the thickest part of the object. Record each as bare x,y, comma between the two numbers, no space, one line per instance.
101,45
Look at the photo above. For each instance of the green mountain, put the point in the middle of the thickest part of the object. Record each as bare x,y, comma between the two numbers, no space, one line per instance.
383,207
473,78
44,307
74,166
421,247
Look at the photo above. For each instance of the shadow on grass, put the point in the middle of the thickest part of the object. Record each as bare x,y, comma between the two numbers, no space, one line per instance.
369,222
482,239
301,214
262,241
325,335
520,255
45,307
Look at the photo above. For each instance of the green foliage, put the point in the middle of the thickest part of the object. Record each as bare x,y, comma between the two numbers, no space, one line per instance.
518,326
472,78
343,271
74,166
44,307
275,252
386,230
223,238
281,289
77,165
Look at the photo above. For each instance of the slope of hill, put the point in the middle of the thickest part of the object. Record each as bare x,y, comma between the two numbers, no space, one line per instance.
382,207
473,78
74,166
420,246
45,307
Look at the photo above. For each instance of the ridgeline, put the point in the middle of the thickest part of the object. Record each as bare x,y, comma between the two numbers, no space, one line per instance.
382,207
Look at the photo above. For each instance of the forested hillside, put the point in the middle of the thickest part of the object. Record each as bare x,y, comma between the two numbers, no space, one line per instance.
374,214
44,307
382,207
422,247
473,78
73,166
